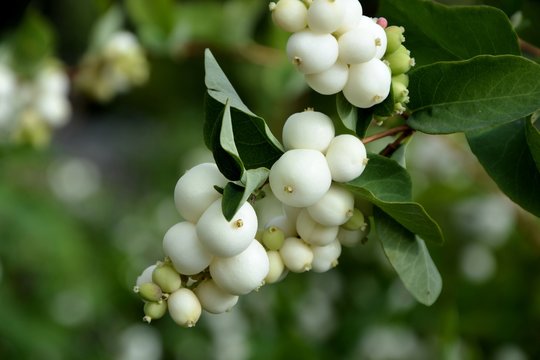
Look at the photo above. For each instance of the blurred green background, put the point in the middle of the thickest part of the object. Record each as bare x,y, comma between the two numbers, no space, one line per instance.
80,219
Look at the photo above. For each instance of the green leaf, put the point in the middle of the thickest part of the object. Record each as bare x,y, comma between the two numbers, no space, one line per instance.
410,258
235,195
107,24
469,95
348,116
436,32
255,144
223,148
388,185
31,43
154,20
505,155
533,139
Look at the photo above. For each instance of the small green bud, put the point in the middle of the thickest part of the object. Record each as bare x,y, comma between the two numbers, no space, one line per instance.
273,238
401,78
401,93
166,278
394,36
400,61
149,292
357,221
258,235
154,310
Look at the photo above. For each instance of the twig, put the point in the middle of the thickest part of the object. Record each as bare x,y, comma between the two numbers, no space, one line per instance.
392,147
529,48
386,133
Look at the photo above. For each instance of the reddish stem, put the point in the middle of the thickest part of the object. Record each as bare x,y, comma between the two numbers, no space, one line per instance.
383,134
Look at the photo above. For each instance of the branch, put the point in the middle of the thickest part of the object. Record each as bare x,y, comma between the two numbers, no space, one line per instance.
391,148
529,48
383,134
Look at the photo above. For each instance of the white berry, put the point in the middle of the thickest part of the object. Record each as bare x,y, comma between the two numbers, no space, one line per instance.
146,276
353,14
213,299
300,177
227,238
379,34
346,157
296,255
350,238
188,255
368,84
311,52
314,233
184,307
242,273
334,208
330,81
326,16
194,191
325,257
308,130
276,267
289,15
357,45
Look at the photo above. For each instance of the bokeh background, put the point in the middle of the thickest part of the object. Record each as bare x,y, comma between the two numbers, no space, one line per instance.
81,217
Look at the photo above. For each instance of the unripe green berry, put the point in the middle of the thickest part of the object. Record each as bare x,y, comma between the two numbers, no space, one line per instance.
394,36
149,292
356,221
400,92
166,278
402,79
273,238
400,61
350,238
154,310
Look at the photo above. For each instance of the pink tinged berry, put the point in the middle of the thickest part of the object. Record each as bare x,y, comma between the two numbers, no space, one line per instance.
382,22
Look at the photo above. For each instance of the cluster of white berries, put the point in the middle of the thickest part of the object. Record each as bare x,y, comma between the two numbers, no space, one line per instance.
210,261
113,69
30,106
337,48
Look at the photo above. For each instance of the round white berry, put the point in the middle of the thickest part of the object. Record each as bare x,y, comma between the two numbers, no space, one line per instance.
379,34
314,233
268,207
326,257
283,223
276,267
334,208
227,238
325,16
308,130
296,255
289,15
184,307
146,276
194,191
242,273
213,299
188,255
357,45
330,81
368,84
311,52
300,177
346,157
292,214
353,14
